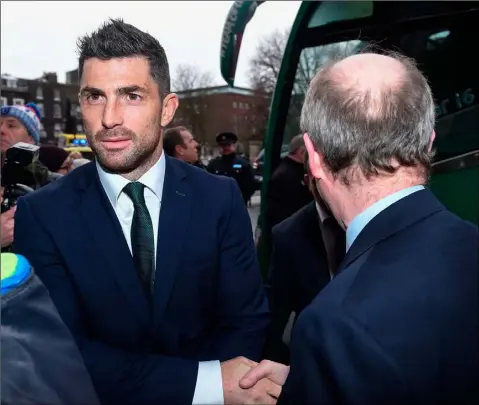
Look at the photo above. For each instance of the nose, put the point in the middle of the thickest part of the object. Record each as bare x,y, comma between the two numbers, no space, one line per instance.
112,115
3,130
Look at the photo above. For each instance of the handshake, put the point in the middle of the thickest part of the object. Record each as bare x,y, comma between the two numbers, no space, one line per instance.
247,382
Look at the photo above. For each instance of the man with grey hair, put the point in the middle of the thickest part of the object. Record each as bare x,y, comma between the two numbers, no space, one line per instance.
287,192
398,323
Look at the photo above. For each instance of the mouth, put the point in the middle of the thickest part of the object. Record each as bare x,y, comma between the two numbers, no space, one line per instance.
116,143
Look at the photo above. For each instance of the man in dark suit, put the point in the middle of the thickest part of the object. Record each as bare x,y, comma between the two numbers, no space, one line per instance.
399,323
150,261
307,250
287,191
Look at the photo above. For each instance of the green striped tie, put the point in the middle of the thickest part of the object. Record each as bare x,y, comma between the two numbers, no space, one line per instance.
142,239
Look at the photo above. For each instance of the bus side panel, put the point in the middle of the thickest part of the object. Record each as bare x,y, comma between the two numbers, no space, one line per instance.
458,191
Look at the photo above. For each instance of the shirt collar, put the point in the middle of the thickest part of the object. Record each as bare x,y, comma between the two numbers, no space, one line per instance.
113,184
360,221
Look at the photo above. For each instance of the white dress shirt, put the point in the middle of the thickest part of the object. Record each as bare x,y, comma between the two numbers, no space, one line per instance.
209,384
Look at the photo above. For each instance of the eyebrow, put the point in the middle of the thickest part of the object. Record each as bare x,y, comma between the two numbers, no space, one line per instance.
10,119
120,90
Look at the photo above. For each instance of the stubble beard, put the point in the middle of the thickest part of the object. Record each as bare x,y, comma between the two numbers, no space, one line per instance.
131,163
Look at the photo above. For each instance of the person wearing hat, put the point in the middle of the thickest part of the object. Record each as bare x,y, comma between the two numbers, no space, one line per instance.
231,165
19,123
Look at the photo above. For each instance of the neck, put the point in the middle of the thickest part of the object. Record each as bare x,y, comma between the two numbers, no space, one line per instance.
360,196
147,164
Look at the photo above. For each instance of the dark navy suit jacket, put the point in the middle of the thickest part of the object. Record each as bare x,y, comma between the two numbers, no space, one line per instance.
208,304
399,324
298,271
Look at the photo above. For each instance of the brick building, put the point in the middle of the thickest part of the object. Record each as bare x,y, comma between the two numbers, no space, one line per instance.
211,110
57,102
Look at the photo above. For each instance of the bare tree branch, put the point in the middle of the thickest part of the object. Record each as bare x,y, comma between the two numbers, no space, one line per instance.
193,106
190,77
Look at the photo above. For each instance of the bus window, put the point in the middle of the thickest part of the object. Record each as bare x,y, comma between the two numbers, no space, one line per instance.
444,54
446,58
332,11
310,60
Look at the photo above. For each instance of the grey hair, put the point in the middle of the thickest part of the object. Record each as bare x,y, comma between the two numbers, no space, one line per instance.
296,143
342,127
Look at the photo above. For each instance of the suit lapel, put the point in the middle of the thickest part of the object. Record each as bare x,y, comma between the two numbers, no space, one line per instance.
107,236
172,228
396,217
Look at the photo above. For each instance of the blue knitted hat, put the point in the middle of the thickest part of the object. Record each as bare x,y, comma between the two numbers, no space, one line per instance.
28,114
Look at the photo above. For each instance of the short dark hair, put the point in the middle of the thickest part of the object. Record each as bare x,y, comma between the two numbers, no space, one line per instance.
172,138
117,39
336,118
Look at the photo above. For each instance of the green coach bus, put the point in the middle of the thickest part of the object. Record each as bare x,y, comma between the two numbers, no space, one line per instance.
441,36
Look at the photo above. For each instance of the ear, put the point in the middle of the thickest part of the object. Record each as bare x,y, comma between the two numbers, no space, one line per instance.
170,104
179,150
315,159
433,136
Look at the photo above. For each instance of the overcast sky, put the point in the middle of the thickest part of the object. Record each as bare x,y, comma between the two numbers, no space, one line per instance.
41,36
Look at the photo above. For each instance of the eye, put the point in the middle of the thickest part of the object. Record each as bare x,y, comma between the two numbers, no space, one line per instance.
93,98
133,97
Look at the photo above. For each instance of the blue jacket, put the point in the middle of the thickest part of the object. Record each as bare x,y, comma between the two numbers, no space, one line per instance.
208,302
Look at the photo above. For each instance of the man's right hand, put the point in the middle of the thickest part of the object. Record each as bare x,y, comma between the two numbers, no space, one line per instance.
265,392
7,225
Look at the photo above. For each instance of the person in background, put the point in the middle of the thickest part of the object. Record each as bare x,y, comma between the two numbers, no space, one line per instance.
398,324
199,163
159,283
230,165
179,143
56,159
19,123
308,248
287,192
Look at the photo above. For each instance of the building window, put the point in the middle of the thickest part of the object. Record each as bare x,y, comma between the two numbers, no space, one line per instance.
241,105
57,111
79,128
39,93
18,101
56,95
235,104
57,130
78,111
43,133
41,108
246,105
4,101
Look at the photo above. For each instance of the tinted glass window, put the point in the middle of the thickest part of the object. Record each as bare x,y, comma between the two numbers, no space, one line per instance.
332,11
448,57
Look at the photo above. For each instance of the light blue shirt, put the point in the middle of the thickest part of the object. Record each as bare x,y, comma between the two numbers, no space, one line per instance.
360,221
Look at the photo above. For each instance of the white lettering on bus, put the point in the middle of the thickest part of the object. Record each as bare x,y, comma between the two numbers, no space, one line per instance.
229,24
460,101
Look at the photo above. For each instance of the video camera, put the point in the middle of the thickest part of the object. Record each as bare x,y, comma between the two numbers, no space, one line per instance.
22,173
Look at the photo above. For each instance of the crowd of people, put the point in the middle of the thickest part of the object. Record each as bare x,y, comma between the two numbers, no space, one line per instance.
371,297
